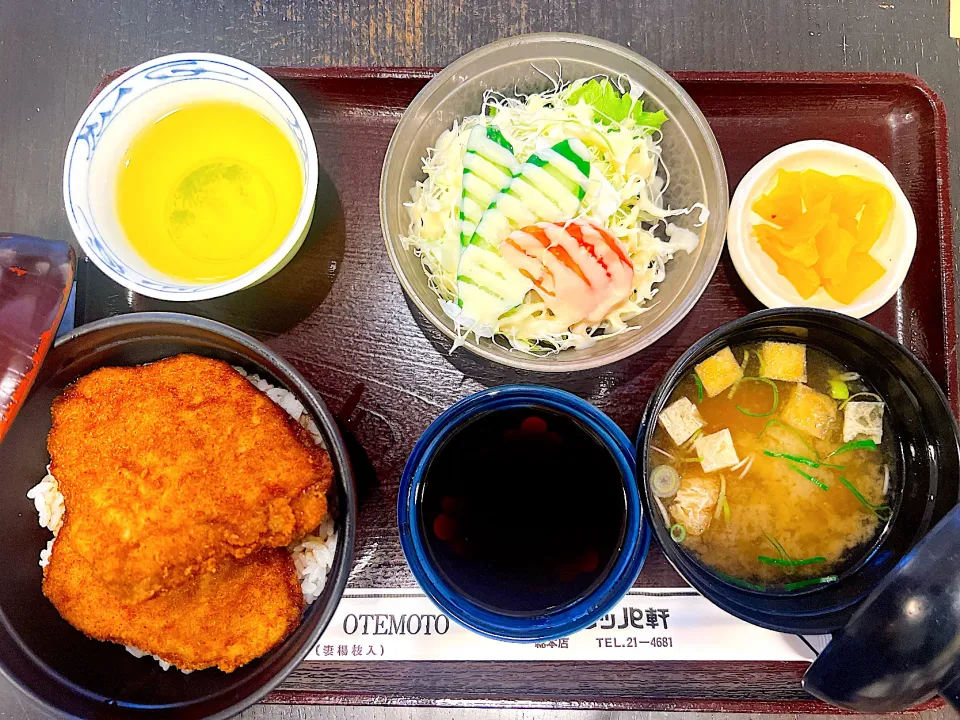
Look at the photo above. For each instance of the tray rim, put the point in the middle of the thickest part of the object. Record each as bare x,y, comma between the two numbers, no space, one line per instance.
285,696
809,706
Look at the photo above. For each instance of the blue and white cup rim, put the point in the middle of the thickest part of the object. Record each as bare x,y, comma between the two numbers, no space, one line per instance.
563,621
114,268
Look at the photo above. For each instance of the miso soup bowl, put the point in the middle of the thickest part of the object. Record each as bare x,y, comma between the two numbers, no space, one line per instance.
580,611
925,447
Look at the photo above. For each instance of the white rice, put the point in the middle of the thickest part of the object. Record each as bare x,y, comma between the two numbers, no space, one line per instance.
164,665
312,555
48,500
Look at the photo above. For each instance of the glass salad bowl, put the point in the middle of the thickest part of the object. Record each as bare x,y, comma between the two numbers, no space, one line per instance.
524,64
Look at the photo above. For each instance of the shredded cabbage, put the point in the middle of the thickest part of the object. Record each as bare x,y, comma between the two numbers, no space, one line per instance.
625,196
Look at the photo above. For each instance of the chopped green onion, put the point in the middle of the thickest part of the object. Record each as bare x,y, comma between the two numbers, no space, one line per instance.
854,445
811,478
794,458
861,394
738,581
802,460
779,548
776,397
810,581
774,421
881,511
678,533
699,382
665,481
693,438
839,390
726,511
734,387
790,563
692,460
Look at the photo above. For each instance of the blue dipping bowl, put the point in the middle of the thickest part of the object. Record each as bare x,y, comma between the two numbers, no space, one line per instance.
568,618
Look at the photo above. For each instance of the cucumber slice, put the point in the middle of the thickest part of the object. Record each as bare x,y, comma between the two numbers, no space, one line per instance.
487,285
548,187
488,167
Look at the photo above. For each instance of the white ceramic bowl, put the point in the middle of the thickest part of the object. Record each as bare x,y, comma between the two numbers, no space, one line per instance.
894,249
127,105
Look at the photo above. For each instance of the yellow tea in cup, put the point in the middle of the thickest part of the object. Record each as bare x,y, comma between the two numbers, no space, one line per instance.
209,191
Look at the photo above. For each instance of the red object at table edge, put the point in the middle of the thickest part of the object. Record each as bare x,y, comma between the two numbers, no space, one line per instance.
36,277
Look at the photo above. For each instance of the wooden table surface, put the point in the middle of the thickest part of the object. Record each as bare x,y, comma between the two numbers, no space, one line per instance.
53,52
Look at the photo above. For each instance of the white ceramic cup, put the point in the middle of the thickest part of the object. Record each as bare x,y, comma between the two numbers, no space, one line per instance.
117,115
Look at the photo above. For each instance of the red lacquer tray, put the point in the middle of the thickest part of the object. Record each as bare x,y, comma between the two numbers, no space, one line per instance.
337,313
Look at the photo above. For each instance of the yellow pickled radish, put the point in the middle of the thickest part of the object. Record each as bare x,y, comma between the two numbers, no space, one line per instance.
803,278
781,205
862,272
815,187
874,218
834,245
821,230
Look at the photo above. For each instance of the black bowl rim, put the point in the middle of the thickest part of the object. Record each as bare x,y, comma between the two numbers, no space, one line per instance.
833,617
335,447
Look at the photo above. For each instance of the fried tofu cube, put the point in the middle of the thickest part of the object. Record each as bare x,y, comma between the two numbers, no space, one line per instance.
717,451
809,411
718,372
784,361
863,418
695,502
681,420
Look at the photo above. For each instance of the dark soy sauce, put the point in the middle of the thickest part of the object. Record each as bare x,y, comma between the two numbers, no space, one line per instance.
523,510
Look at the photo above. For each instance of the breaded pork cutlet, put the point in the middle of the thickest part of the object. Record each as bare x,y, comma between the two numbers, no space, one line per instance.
223,619
166,469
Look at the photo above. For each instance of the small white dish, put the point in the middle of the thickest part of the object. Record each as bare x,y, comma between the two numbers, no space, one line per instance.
120,111
894,249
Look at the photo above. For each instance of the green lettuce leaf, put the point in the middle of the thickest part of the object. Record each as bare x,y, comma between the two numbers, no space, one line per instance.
613,106
648,119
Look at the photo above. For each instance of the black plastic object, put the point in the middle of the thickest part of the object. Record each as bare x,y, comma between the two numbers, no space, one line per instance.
903,645
926,478
35,280
59,667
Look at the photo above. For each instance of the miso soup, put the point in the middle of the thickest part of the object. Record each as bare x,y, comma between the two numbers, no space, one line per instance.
772,464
